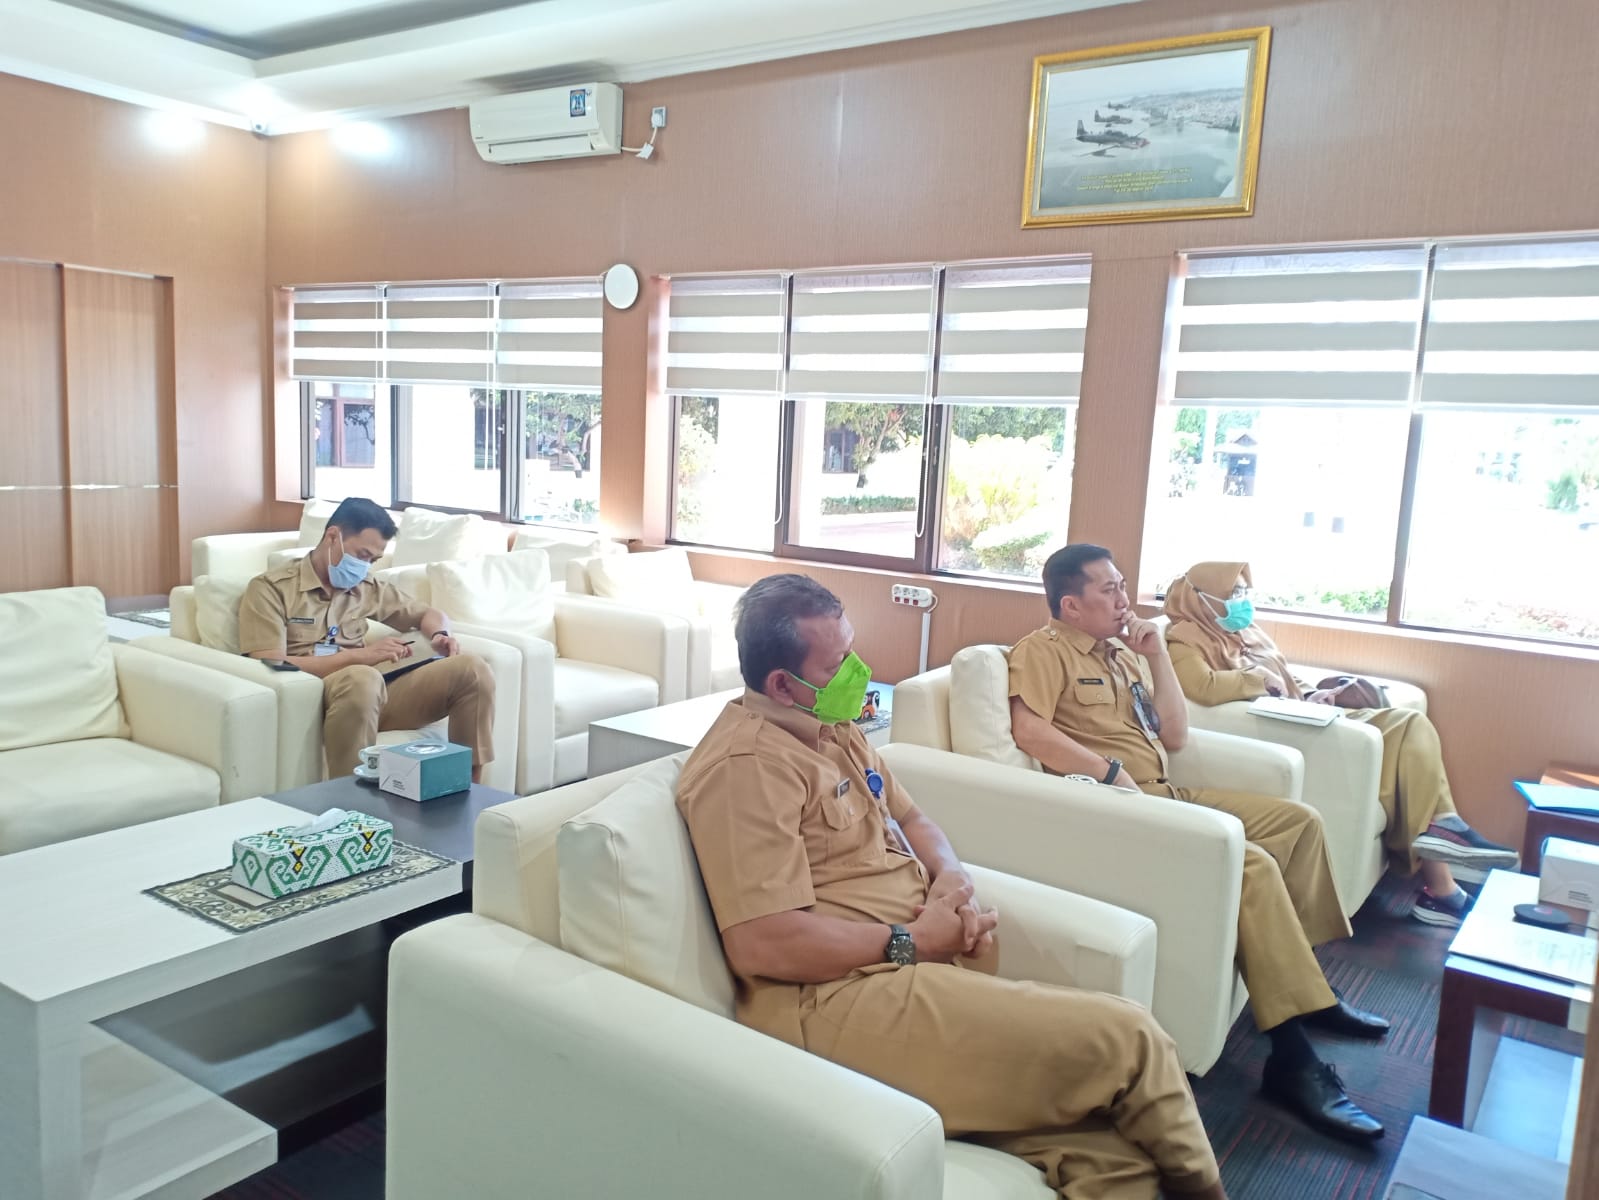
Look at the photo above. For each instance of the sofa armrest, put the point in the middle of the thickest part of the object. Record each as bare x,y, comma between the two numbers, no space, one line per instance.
1180,865
505,663
237,555
515,1068
1400,693
535,696
1238,764
1053,936
207,717
298,709
631,639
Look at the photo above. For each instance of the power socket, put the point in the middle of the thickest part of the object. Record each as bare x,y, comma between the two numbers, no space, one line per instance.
658,117
911,597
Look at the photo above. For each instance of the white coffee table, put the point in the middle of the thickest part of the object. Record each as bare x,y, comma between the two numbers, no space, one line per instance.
83,1114
619,742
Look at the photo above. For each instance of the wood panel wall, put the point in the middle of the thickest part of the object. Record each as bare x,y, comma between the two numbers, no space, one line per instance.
33,454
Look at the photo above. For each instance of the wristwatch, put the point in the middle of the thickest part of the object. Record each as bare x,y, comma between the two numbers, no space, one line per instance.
1115,765
901,949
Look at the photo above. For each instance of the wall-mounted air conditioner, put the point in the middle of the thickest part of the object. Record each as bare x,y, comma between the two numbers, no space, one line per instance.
567,122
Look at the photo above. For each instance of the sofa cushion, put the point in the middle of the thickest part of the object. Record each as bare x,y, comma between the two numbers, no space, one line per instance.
511,591
314,521
586,691
216,611
563,549
70,790
979,707
631,898
981,1173
282,558
426,536
58,682
659,580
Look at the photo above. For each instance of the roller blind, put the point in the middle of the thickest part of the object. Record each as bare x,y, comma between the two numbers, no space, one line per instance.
725,335
336,333
440,333
862,336
1513,326
1317,327
550,336
1013,334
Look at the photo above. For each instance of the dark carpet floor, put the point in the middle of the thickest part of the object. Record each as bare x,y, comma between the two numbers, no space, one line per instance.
1392,964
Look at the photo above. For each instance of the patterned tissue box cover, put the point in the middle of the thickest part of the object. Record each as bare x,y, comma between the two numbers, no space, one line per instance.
275,863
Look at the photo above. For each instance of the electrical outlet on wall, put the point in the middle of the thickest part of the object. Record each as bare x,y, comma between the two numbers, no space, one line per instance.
658,117
913,597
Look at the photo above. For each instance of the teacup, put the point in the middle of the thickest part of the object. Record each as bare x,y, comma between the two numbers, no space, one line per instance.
369,757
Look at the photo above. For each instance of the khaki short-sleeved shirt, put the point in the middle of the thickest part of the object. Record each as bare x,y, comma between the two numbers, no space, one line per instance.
781,817
286,612
1083,687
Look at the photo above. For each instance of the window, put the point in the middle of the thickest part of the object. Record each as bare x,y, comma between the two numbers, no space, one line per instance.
1299,386
889,379
469,377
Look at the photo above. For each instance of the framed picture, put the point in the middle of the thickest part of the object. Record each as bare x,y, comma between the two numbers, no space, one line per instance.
1149,131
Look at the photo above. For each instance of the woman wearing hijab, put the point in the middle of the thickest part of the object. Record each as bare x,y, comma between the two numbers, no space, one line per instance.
1219,654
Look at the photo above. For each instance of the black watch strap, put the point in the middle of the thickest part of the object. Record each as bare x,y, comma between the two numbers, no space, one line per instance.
1115,765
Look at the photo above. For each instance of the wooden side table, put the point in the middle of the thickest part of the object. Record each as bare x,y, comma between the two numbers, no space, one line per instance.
1543,823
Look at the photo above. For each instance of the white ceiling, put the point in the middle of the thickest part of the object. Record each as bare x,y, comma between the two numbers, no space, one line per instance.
304,64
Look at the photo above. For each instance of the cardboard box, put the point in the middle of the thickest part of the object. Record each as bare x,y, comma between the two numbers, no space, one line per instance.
292,858
1570,875
425,770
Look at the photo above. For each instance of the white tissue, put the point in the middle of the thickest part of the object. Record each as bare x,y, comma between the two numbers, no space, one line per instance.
321,825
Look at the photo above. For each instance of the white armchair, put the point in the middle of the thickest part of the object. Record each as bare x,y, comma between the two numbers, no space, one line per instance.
205,632
576,1029
1343,763
579,660
96,737
662,581
1178,864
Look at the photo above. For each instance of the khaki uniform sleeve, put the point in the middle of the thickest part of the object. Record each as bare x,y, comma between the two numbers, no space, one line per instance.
743,816
263,623
1203,684
397,608
1038,676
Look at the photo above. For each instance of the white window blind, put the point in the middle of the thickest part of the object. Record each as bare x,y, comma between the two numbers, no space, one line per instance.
725,335
1013,334
440,333
1513,326
862,336
336,333
1307,327
550,336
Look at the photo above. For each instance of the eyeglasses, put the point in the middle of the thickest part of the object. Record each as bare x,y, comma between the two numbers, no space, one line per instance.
1144,710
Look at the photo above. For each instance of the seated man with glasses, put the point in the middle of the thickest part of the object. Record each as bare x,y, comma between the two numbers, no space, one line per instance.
1093,693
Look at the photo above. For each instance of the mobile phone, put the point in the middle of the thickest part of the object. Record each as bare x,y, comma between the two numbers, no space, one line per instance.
278,664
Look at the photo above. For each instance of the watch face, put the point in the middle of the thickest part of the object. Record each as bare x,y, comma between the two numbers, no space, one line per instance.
901,949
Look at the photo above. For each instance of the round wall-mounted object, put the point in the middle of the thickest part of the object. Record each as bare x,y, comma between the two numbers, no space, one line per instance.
621,286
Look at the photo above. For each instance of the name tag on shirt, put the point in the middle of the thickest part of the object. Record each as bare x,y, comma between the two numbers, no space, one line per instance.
1099,682
302,620
843,789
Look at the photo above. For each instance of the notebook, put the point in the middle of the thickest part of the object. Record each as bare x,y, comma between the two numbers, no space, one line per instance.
422,653
1302,712
1558,797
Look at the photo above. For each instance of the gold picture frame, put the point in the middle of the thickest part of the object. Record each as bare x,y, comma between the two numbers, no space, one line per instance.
1166,130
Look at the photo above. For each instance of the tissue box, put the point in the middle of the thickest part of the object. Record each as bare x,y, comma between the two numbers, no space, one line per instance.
278,863
1570,874
423,770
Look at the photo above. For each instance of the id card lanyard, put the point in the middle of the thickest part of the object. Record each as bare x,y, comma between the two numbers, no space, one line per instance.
329,646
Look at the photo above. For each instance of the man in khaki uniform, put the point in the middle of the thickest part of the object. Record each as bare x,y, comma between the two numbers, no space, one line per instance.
314,614
1093,693
853,932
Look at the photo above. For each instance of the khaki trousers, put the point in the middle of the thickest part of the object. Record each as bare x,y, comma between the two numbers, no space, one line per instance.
1085,1086
1289,901
357,703
1412,789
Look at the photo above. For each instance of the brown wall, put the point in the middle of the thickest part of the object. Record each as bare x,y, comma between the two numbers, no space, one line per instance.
1383,120
85,186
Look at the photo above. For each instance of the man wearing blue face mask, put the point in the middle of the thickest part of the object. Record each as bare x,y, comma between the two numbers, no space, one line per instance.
314,614
852,931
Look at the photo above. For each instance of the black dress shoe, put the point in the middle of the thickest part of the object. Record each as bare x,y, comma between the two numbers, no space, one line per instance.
1348,1020
1314,1091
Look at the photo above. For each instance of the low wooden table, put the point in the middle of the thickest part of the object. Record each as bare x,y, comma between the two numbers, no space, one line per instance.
1543,823
1476,996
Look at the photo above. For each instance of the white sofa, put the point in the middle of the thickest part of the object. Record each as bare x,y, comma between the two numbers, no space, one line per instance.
95,736
580,660
573,1035
662,581
1178,864
1343,763
205,632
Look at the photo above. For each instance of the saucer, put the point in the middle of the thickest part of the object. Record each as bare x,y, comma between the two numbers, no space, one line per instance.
366,774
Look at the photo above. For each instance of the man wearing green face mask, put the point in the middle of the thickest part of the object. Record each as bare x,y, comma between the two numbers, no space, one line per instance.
852,931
